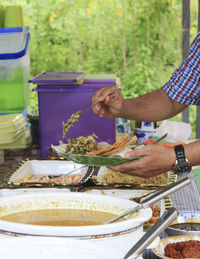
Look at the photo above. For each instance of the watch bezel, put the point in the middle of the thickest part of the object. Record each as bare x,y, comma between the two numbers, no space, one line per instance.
182,168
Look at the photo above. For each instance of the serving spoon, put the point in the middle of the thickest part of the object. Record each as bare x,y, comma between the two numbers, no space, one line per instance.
155,197
68,173
165,220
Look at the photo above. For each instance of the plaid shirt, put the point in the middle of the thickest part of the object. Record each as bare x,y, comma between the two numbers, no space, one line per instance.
184,84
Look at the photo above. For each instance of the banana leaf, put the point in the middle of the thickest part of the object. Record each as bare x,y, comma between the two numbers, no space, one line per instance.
96,160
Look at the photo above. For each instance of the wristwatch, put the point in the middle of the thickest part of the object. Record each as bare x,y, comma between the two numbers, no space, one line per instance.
182,165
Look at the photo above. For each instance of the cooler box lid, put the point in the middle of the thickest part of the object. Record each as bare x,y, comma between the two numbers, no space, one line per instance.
58,77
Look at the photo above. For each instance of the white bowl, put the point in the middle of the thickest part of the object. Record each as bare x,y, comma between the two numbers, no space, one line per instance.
123,234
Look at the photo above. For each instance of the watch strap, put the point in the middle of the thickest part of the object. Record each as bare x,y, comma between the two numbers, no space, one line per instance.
182,165
180,153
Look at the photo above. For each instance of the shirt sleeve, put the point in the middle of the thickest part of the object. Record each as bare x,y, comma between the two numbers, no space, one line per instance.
184,83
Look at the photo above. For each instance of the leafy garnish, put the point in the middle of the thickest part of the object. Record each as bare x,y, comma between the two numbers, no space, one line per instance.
73,118
81,145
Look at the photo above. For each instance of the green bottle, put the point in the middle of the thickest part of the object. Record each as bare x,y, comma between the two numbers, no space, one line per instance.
2,15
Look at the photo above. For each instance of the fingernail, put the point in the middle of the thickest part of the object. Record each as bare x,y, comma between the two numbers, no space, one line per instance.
97,107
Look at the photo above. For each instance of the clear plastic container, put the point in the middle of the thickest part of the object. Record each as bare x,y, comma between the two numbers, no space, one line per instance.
11,122
14,69
12,130
23,140
8,138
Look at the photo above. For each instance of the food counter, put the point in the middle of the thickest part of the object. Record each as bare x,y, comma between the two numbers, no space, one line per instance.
186,199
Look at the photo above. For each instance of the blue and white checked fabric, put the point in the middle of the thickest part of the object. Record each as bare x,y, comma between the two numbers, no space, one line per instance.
184,84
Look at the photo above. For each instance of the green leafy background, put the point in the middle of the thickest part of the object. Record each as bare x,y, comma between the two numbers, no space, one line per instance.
138,40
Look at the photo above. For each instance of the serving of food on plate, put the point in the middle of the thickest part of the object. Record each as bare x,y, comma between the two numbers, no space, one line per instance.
107,176
49,172
177,247
85,150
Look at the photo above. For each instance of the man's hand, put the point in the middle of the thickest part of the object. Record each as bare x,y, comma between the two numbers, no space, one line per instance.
155,159
107,102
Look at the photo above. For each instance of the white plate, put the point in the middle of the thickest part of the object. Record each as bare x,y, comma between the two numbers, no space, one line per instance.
186,219
159,249
188,216
45,168
42,248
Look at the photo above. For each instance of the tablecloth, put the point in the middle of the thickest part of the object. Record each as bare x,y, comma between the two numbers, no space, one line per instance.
186,199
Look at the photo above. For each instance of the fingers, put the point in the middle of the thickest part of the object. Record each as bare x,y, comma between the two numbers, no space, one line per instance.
128,168
138,152
153,160
100,100
137,168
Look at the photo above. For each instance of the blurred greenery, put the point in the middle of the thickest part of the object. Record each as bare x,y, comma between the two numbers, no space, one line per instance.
139,41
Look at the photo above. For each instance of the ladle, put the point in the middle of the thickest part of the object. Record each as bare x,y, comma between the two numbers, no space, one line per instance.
155,197
165,220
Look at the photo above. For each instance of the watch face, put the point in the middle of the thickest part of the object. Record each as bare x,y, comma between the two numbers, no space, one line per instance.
183,168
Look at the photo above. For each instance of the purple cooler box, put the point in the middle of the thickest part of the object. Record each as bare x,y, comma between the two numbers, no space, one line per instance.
58,101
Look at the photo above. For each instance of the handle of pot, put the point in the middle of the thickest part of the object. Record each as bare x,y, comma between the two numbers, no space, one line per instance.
166,191
165,220
19,54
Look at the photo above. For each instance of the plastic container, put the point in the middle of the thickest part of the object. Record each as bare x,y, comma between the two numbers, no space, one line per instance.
13,131
144,130
11,122
58,78
21,142
123,126
9,138
14,69
13,16
100,78
57,102
1,15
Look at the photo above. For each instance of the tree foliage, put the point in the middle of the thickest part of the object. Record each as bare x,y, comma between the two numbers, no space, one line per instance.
138,40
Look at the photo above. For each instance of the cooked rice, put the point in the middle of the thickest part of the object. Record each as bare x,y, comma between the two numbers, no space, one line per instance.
112,177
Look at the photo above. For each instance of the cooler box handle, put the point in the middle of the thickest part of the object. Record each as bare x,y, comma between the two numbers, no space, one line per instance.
17,54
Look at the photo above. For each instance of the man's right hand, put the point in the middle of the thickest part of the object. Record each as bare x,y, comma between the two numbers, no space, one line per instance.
108,102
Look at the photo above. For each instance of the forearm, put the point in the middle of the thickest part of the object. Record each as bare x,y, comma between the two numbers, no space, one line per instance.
192,152
153,106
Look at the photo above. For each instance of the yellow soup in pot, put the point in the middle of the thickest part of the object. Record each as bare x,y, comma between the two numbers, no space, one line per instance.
60,217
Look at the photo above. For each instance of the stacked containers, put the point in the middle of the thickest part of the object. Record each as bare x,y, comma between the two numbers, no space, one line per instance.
14,69
14,74
58,100
13,131
14,90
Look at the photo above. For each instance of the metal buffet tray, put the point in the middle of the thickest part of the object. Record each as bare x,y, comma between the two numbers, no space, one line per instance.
98,175
25,169
85,186
86,183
